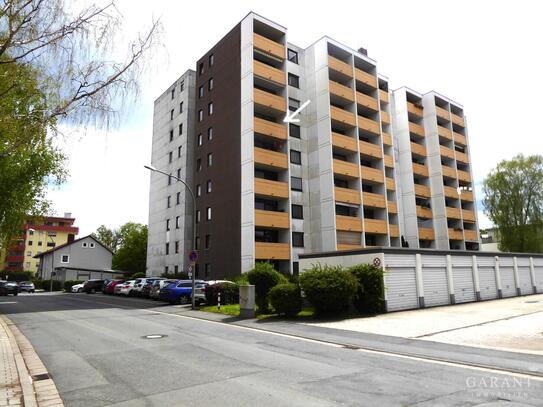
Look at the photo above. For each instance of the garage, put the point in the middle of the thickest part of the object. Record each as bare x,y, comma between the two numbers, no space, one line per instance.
524,278
507,275
401,288
436,289
464,289
487,283
538,270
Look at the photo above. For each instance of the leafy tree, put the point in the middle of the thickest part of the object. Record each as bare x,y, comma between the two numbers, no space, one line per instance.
132,254
107,236
514,203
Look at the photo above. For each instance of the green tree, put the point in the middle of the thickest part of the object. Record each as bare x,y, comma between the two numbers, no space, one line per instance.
107,236
132,253
514,203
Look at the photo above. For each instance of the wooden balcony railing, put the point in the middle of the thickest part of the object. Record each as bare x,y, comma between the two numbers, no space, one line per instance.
271,158
344,142
372,174
271,219
269,72
346,168
453,213
341,91
471,235
270,100
367,101
418,149
348,223
272,251
413,109
420,169
373,200
271,129
426,234
424,213
378,226
456,234
340,66
387,139
370,149
365,77
383,96
416,129
460,139
346,195
422,191
369,125
342,116
272,189
443,113
468,215
269,46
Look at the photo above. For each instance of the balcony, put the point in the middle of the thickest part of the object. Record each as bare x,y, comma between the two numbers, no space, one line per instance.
468,216
269,100
342,116
446,152
346,195
459,120
464,176
389,161
420,169
456,234
394,230
443,113
383,96
271,219
385,117
471,235
372,174
453,213
448,172
392,207
387,139
422,191
367,101
346,169
444,132
268,46
370,149
460,139
340,66
391,184
416,129
450,192
344,142
466,196
348,223
418,149
270,158
271,129
378,226
272,251
269,73
341,91
271,189
424,213
369,125
345,246
426,234
373,200
366,78
414,109
461,157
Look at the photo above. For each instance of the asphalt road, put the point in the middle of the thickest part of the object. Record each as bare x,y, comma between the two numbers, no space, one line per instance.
94,349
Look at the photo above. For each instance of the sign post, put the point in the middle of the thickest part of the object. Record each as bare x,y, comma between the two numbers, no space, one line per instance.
193,258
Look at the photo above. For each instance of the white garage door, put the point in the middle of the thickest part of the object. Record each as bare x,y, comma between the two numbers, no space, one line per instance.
401,288
507,274
538,269
487,283
525,280
464,289
436,290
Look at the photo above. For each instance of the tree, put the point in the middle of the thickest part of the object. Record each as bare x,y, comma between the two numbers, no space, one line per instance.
132,253
514,203
107,236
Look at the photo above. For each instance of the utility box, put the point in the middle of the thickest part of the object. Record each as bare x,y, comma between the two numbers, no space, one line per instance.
247,301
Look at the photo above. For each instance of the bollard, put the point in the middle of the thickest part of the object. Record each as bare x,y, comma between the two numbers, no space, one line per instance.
219,301
247,301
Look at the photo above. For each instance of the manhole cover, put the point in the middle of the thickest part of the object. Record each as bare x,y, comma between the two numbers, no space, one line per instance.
154,336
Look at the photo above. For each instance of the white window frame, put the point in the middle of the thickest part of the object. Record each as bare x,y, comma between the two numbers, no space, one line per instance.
92,245
62,258
84,245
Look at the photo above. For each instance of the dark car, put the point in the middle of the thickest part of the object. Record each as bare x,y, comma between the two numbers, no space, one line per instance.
109,288
8,287
93,286
146,291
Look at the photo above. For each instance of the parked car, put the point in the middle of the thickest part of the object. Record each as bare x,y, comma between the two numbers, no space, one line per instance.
9,287
93,286
27,286
139,285
180,292
157,286
106,282
110,287
127,288
146,292
77,288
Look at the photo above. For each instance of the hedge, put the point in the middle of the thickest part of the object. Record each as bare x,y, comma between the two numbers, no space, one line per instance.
229,293
264,277
45,285
370,296
286,299
17,275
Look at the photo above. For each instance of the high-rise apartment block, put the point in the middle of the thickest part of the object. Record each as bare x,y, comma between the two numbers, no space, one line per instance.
362,167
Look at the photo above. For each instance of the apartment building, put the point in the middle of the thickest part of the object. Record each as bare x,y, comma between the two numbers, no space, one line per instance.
38,234
271,191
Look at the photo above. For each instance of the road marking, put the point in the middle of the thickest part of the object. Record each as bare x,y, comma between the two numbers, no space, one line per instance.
9,302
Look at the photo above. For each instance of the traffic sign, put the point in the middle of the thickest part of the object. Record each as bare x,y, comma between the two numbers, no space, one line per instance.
193,256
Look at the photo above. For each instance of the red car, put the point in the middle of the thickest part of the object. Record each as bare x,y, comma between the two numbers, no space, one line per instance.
110,288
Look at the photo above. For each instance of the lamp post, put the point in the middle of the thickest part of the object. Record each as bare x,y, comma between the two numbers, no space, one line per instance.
52,261
153,169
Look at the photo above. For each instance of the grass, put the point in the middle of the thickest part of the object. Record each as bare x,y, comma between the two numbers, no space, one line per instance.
233,309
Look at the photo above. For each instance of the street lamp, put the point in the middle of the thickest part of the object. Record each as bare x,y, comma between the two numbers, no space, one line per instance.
153,169
52,260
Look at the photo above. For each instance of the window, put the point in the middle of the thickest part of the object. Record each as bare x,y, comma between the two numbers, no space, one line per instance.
207,241
91,245
30,242
84,245
293,104
210,109
210,159
211,59
210,84
176,269
297,239
30,232
294,130
39,243
199,164
182,86
170,179
295,184
292,56
201,91
198,217
170,156
52,234
179,173
171,135
180,129
173,93
178,198
166,269
198,190
29,254
179,152
209,186
169,201
295,268
171,114
207,269
177,222
167,248
200,140
180,107
197,243
167,225
176,246
294,80
65,258
200,115
208,213
297,212
50,244
201,68
295,157
210,133
27,265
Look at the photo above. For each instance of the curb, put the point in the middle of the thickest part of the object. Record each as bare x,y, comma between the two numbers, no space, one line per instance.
39,390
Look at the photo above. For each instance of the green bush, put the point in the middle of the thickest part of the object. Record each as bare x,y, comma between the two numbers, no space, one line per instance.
180,275
17,275
370,296
45,285
229,293
286,299
69,283
328,288
264,277
137,275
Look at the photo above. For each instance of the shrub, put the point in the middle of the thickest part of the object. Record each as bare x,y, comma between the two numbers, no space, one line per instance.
286,299
137,275
370,296
69,283
17,275
264,277
328,288
229,293
181,275
45,285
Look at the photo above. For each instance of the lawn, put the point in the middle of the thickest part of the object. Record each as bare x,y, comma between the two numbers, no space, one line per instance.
233,309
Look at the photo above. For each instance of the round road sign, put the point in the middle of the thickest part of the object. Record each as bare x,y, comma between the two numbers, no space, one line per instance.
193,256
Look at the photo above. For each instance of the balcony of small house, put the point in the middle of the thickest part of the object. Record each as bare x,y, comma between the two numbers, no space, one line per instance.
415,110
377,226
471,235
344,142
453,213
461,157
343,117
388,160
446,152
422,191
460,139
426,233
340,94
416,129
392,207
468,215
370,149
367,101
456,234
442,113
390,184
372,200
270,159
339,67
372,175
394,230
268,46
270,103
464,176
383,96
448,172
348,223
444,133
269,73
458,120
418,149
347,195
347,246
387,139
345,169
272,251
365,78
369,126
271,189
271,219
424,212
271,129
420,169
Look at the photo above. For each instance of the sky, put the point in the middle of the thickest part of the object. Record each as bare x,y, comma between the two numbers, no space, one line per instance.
485,55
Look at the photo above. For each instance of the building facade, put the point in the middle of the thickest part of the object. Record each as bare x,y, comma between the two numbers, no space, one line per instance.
38,234
271,191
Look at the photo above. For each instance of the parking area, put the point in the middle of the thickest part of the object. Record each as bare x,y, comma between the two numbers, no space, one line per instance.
514,324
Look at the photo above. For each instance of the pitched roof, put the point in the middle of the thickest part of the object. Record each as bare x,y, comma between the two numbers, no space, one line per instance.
70,243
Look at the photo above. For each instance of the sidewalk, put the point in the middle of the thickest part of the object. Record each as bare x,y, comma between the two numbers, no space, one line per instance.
23,378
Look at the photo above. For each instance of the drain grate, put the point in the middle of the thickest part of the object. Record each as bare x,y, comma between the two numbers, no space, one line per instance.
154,336
38,377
